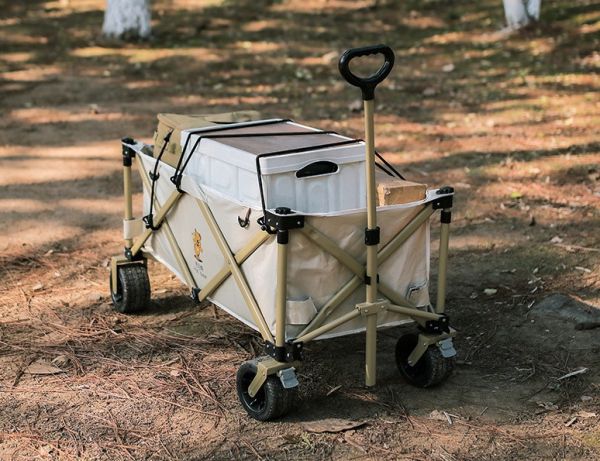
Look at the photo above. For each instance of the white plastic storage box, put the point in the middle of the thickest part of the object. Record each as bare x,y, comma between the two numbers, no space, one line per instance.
309,178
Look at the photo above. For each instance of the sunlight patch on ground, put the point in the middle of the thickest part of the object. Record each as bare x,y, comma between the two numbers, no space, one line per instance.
36,74
20,57
53,115
263,25
142,55
482,241
19,204
257,47
416,20
26,233
318,5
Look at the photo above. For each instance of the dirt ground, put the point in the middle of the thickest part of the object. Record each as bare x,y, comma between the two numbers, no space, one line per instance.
510,121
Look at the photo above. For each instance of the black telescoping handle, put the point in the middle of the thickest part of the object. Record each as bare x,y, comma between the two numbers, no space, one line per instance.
367,84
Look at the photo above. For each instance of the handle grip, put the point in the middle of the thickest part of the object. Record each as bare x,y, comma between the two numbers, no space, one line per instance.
367,84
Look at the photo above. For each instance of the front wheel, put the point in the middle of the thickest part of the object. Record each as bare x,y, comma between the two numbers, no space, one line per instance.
431,369
270,402
132,293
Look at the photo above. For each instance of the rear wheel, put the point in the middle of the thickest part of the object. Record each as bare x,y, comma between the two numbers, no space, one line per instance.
271,401
431,369
132,293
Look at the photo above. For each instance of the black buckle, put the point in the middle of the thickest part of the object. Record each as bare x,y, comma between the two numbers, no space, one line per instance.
245,222
149,221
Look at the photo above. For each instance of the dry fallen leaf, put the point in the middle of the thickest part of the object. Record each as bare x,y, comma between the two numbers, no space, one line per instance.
60,361
42,368
331,425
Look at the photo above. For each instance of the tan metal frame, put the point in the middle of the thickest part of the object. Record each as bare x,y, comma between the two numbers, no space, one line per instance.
319,325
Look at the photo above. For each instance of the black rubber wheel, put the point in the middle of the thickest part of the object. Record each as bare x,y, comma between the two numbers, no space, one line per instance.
133,289
272,401
431,369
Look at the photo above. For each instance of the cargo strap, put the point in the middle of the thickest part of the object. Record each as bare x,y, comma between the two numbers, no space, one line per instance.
209,134
149,218
181,165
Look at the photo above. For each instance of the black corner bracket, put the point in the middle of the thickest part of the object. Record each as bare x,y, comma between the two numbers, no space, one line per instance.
128,152
439,326
444,202
283,219
291,352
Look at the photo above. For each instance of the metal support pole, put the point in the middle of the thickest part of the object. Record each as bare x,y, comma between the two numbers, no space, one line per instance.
127,193
371,334
446,218
328,327
281,290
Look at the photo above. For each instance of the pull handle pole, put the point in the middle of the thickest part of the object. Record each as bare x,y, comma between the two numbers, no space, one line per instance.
367,86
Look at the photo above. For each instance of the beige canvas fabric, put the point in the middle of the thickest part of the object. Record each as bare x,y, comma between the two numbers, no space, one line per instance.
175,123
314,275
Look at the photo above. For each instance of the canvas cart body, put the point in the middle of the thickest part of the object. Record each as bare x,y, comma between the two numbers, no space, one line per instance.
277,224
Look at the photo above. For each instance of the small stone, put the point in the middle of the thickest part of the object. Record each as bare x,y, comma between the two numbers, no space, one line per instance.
490,291
448,67
37,287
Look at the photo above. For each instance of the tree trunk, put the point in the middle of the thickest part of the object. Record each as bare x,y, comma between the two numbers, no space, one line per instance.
127,19
519,13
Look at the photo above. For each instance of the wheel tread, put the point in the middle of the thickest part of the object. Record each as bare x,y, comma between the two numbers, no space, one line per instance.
133,289
433,367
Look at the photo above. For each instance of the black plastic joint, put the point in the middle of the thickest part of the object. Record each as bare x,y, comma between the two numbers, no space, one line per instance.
128,152
291,352
372,236
153,176
446,217
368,279
442,203
445,190
194,294
131,257
283,236
442,325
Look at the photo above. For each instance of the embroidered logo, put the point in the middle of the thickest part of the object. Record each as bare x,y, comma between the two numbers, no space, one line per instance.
197,245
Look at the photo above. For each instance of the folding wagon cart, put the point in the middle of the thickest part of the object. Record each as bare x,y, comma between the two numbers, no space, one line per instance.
277,223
